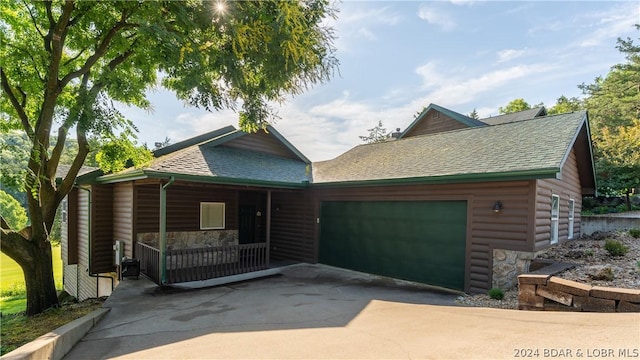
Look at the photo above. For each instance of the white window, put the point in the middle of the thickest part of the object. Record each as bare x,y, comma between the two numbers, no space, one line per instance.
212,215
555,215
572,206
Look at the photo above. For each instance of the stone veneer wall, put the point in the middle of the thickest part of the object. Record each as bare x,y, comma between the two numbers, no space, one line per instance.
191,239
546,292
507,265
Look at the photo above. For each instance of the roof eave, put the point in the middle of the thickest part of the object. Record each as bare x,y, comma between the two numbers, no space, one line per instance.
150,174
545,173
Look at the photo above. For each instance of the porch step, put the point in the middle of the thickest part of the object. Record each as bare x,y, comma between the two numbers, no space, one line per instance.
552,267
228,279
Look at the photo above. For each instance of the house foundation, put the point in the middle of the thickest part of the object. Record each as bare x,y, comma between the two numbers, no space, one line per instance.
507,265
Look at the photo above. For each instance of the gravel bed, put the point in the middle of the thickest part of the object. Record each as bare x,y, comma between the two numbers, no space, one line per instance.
594,266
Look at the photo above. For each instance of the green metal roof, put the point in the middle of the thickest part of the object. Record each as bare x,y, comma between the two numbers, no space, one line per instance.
533,148
452,114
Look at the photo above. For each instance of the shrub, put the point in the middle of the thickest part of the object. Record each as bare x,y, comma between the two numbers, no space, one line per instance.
605,274
635,233
616,248
588,252
496,294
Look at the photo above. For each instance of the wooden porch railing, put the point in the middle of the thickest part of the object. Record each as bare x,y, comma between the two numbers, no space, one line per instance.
204,263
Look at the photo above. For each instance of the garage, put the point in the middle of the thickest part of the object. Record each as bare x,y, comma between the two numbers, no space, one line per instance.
420,241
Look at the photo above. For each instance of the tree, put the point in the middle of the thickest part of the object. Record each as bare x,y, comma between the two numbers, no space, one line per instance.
65,64
474,114
566,105
515,106
377,134
613,103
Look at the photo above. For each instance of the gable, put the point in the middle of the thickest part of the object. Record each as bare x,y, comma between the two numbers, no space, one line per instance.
434,122
435,119
263,142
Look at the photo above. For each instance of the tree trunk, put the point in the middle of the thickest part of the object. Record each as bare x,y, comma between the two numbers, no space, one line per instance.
38,277
628,200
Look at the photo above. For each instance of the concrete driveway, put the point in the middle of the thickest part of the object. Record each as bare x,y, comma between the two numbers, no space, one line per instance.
313,311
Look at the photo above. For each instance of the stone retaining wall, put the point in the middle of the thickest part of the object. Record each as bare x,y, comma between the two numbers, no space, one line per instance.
546,292
507,265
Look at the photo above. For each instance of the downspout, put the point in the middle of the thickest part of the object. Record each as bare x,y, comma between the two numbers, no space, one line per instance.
268,237
97,276
163,230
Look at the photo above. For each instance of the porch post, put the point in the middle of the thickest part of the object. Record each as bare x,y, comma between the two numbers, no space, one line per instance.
268,225
163,231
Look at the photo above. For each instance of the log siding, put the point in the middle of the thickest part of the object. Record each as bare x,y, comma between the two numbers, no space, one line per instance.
435,122
261,142
292,226
568,187
123,216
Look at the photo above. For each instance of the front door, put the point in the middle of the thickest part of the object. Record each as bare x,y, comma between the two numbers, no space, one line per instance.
247,224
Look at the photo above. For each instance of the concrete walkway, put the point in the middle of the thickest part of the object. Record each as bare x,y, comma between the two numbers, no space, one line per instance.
315,311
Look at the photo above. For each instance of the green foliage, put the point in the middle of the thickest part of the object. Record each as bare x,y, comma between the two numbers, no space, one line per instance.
616,248
474,114
120,153
635,233
565,105
496,293
613,103
377,134
515,106
12,212
588,252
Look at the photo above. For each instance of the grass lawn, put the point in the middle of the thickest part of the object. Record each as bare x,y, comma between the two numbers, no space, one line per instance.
12,282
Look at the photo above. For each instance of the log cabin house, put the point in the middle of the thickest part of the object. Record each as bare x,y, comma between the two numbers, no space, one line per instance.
454,202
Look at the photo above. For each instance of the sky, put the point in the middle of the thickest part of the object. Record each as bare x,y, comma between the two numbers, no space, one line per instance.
396,57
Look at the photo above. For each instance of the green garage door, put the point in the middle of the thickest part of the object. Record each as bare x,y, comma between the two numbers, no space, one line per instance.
421,241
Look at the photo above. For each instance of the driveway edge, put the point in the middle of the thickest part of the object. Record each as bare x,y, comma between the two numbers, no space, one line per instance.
57,343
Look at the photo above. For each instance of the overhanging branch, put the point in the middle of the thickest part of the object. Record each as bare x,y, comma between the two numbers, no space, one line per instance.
24,119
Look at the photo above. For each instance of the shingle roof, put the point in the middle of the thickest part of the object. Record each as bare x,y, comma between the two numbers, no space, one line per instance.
517,116
208,160
522,147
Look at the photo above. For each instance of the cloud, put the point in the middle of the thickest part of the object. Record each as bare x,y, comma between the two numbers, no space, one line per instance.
463,2
358,20
436,17
509,54
611,24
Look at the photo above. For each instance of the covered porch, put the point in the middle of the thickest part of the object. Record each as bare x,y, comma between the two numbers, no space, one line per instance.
257,229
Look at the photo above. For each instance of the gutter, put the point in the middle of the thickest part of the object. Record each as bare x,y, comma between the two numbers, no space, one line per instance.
448,179
150,174
163,230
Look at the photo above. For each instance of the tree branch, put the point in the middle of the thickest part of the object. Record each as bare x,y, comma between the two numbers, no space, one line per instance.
102,49
33,19
83,150
52,24
16,104
74,58
35,64
52,165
